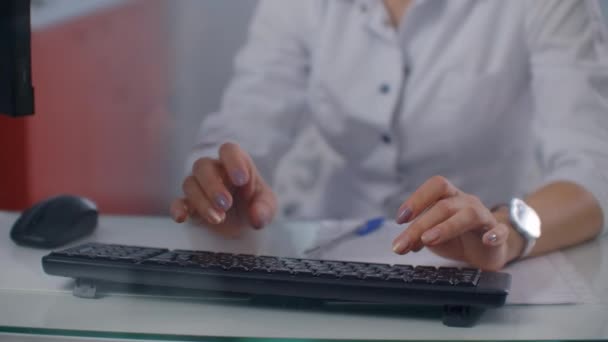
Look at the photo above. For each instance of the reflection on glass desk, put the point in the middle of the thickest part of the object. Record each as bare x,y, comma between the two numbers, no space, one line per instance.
34,303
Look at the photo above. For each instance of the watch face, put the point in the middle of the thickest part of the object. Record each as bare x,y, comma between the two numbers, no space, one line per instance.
526,218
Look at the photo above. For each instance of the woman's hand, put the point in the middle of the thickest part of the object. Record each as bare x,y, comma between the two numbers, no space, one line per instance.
456,225
226,194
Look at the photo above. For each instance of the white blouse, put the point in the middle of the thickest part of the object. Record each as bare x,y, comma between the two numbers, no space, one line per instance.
500,97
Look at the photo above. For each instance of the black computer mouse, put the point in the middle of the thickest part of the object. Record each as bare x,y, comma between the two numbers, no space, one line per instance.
55,222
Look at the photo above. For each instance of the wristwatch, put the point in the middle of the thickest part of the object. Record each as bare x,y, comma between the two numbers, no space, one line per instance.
526,222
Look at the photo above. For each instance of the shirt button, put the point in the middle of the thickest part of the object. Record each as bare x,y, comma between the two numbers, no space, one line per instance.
407,71
386,138
363,8
385,88
290,210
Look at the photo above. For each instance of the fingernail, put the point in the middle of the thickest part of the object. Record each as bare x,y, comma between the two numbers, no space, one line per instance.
430,236
239,177
404,215
178,216
263,215
222,202
401,246
492,238
214,216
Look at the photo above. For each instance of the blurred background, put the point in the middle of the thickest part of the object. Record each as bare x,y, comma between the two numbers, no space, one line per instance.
121,88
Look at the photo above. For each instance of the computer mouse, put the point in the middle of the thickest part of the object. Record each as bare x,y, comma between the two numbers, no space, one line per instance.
55,222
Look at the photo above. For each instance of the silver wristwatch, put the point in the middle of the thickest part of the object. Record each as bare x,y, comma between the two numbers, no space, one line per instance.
526,222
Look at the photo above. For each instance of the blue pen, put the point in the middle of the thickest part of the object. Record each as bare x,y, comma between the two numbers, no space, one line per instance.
365,229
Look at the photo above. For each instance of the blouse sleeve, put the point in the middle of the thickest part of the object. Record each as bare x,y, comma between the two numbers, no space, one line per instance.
569,63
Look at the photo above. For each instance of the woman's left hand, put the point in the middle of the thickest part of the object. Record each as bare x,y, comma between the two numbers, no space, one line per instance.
453,224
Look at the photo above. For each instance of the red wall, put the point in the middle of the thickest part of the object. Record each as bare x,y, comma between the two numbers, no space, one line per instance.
101,125
13,195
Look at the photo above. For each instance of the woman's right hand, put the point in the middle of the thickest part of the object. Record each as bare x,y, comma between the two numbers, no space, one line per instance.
226,194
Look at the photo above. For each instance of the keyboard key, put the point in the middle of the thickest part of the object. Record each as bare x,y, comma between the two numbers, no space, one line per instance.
326,274
165,256
401,269
425,269
84,250
467,277
183,257
420,279
239,268
336,265
344,269
319,268
373,277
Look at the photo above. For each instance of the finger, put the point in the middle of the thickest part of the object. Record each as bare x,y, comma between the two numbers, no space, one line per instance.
236,163
212,179
203,206
410,239
193,214
464,221
496,236
179,210
417,246
426,195
263,206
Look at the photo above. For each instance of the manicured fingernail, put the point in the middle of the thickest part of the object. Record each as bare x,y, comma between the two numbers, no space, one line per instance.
239,177
222,202
401,246
492,238
178,216
430,236
214,216
404,215
263,215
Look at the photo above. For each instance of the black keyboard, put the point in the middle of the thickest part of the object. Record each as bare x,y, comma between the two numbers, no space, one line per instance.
461,291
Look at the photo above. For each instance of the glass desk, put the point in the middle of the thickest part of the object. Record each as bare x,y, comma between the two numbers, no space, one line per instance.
33,303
